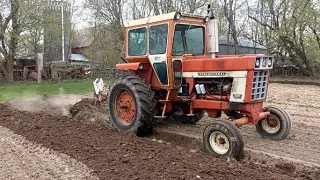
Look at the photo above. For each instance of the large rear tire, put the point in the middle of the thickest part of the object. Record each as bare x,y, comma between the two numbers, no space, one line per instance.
277,126
131,105
223,139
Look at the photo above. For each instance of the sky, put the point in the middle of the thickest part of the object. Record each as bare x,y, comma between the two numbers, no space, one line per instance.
81,15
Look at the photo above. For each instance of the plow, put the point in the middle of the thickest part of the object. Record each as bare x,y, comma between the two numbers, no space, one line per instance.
175,73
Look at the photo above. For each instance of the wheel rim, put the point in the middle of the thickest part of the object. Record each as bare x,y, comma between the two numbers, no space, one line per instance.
219,142
271,125
125,107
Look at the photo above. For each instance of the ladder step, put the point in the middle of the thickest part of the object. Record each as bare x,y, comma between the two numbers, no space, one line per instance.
164,101
186,100
160,117
190,115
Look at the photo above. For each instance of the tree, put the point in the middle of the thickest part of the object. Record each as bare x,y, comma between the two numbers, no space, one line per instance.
289,26
9,33
289,29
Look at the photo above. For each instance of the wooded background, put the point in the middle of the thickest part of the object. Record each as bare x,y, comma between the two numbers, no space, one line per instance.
290,29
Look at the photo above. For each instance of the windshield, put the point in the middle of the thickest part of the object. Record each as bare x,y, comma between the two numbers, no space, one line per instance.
188,39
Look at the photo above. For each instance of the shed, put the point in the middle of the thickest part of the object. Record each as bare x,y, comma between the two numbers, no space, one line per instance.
80,60
246,46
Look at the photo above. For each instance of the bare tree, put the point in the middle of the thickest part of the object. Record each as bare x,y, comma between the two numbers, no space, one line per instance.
9,33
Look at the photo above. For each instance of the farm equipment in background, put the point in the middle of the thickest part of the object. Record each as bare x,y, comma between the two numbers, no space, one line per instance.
31,73
176,73
53,73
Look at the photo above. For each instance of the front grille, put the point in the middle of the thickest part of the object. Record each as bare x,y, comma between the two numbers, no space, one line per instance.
259,85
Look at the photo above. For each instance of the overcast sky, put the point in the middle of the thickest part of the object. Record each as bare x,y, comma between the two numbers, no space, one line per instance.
81,16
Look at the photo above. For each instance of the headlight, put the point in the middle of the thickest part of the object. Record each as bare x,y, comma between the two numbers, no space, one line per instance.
264,63
177,16
258,61
270,62
206,19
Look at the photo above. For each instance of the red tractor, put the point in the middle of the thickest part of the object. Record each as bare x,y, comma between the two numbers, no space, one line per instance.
176,73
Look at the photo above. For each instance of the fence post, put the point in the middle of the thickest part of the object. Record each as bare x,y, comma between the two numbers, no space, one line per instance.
101,70
40,66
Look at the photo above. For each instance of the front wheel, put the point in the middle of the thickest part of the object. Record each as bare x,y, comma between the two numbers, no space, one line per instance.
277,125
223,139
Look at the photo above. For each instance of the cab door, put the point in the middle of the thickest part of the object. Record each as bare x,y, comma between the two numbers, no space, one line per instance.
158,43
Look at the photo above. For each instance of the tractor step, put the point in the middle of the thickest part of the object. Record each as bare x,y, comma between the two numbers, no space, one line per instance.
190,115
186,100
160,117
164,101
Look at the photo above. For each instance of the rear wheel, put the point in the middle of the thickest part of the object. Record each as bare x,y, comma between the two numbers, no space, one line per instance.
131,105
223,139
277,126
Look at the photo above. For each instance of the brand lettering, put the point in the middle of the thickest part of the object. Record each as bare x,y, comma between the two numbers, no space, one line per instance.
212,74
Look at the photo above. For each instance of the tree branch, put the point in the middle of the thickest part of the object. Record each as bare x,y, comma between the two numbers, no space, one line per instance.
261,23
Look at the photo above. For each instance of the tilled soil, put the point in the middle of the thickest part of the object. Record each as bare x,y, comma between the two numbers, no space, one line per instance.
25,160
87,112
175,151
120,155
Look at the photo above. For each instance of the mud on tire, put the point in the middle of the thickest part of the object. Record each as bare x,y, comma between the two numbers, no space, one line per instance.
131,105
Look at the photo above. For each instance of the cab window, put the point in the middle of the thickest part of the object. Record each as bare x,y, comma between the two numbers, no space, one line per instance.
188,39
158,39
137,42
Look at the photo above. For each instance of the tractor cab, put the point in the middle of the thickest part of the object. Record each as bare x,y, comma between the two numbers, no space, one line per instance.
162,41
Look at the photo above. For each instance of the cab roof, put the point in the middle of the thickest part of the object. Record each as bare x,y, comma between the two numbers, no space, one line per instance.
162,17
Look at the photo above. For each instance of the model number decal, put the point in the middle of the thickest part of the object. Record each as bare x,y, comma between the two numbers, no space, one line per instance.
211,74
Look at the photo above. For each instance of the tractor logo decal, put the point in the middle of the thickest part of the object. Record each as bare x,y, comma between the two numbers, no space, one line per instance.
211,74
237,96
157,58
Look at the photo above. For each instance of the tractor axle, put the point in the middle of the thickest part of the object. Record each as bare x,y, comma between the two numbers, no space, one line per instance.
245,120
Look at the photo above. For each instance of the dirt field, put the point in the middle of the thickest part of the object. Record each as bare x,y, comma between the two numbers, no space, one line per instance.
86,143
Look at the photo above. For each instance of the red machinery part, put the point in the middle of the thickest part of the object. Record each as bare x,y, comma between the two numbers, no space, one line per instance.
246,120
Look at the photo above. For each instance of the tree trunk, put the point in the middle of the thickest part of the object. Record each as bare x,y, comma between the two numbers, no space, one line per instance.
4,70
9,71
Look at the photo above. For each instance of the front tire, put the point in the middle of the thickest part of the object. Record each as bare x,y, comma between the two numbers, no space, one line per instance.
277,126
131,105
223,139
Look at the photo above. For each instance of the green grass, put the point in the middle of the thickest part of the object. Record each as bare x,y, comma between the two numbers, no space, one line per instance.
21,90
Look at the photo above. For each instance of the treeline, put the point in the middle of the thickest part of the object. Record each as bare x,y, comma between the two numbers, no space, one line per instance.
290,29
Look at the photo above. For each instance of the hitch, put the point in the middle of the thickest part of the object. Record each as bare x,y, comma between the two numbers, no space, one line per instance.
100,93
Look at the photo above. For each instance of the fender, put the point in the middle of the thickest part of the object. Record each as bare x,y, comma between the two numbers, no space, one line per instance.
144,70
134,66
128,66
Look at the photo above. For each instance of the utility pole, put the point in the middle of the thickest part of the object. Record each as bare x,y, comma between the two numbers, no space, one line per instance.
62,28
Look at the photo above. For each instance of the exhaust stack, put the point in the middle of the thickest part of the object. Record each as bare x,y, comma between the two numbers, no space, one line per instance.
213,30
